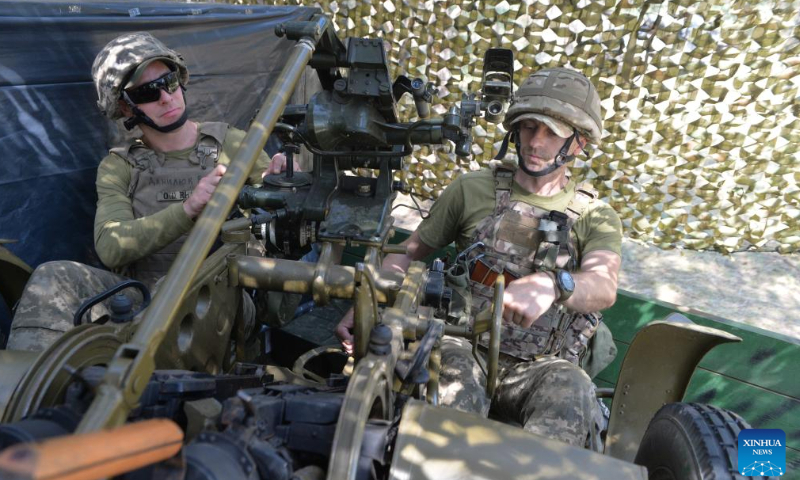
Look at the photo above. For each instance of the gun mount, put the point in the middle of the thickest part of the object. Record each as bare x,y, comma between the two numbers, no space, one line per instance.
353,123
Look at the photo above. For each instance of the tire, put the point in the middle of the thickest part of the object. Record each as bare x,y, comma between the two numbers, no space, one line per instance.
690,441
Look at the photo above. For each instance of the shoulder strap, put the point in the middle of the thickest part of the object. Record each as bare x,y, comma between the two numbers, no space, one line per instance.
218,130
503,182
585,194
137,154
212,136
140,157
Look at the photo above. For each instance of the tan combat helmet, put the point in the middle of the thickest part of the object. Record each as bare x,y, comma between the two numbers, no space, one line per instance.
559,94
122,60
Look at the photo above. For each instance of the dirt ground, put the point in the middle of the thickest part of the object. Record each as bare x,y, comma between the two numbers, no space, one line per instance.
758,289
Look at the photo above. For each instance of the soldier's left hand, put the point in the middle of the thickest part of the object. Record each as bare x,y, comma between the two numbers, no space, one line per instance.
527,299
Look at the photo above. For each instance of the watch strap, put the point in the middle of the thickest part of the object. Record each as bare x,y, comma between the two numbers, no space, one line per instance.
552,276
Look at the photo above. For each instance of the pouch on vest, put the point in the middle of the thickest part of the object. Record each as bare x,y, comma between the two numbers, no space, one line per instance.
555,233
600,351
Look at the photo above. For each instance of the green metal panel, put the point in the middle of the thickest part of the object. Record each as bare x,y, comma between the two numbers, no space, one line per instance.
792,465
763,358
761,408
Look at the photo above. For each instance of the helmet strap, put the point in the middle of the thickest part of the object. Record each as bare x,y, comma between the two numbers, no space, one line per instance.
562,158
510,136
140,117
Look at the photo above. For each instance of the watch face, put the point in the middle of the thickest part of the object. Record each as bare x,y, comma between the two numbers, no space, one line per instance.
566,280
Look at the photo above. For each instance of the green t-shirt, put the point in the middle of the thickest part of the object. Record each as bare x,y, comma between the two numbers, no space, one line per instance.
119,237
471,198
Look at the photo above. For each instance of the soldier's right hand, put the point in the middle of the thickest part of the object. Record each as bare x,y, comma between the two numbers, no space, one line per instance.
278,165
203,191
344,331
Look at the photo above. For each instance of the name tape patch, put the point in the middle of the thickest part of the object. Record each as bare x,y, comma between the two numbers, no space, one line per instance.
177,196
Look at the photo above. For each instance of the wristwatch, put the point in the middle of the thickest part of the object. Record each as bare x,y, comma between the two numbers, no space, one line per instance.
565,285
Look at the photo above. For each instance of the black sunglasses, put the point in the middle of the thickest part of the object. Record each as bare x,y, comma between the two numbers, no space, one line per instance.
151,91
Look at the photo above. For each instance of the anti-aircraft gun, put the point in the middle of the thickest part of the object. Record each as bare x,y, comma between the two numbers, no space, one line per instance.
189,357
353,123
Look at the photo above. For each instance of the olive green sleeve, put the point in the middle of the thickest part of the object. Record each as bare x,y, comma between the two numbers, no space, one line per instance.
599,229
442,225
119,238
232,142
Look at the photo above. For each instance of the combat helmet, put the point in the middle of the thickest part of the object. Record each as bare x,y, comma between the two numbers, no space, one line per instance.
123,58
564,95
564,100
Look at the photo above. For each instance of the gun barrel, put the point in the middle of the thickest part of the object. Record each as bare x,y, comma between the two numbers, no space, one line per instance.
428,133
289,276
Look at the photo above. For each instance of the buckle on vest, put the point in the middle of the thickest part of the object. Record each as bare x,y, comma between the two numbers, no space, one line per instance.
205,151
462,257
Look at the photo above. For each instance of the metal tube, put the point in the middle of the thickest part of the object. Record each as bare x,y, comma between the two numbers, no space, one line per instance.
134,363
289,276
319,288
434,367
372,257
392,248
237,224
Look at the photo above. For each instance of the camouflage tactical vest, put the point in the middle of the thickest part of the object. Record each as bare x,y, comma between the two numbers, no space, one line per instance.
522,239
155,185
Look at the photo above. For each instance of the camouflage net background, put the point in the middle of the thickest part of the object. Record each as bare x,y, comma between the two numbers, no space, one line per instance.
700,102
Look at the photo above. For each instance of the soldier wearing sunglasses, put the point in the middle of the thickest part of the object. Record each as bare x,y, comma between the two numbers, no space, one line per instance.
149,190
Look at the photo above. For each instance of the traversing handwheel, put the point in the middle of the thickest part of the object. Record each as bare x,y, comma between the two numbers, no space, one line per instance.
493,356
491,324
300,365
368,397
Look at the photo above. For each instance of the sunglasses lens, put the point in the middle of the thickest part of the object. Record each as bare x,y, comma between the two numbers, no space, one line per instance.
172,82
151,91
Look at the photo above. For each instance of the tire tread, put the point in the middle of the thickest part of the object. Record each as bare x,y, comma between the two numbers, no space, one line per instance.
713,434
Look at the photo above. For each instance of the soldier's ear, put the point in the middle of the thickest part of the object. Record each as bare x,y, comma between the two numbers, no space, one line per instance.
125,109
580,145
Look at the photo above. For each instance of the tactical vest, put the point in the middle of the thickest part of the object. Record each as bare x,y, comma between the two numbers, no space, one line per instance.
521,239
155,185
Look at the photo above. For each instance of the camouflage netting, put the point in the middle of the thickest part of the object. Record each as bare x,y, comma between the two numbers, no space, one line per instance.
700,148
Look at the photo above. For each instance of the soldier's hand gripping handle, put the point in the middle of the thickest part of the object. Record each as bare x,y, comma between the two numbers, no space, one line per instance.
203,191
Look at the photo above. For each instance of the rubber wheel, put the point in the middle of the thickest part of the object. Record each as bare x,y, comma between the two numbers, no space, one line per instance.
690,441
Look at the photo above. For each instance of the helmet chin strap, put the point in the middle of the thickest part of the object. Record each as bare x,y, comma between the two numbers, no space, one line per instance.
561,159
140,117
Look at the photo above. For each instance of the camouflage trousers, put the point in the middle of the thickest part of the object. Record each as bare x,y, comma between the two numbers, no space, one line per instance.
57,289
550,396
51,297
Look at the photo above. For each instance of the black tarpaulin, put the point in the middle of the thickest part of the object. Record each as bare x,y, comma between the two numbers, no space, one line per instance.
52,135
